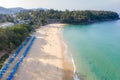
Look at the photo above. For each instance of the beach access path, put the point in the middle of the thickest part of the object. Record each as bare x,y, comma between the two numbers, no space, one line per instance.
46,59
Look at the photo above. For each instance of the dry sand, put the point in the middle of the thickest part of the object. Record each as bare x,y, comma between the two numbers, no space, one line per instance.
46,59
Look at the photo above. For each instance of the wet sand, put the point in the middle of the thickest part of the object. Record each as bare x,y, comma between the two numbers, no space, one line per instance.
46,59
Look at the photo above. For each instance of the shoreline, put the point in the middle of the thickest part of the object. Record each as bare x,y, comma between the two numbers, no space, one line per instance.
75,76
70,63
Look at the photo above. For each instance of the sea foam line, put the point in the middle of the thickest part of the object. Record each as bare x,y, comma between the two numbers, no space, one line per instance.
66,51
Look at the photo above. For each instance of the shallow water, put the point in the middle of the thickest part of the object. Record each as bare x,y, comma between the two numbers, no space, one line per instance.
95,49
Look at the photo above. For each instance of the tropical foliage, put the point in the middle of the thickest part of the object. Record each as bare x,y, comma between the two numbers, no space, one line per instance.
12,37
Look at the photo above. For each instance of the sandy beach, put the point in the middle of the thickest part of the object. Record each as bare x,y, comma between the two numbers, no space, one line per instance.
46,59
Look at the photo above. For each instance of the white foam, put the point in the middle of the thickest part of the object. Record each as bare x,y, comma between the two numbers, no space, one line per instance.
66,51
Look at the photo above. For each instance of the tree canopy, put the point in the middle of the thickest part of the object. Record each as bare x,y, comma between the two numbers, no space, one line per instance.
12,37
79,17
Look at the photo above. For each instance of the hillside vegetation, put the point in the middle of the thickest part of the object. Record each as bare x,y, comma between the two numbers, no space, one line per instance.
73,17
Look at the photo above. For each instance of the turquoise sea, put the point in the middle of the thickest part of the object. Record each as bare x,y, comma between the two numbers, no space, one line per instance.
95,49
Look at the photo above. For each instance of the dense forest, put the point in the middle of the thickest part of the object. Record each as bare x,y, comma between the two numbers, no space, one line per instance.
73,17
12,37
84,17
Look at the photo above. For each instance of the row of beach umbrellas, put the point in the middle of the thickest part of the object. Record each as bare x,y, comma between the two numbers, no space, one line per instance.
11,59
14,70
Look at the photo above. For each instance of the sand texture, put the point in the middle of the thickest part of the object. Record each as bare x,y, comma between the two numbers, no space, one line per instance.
46,59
